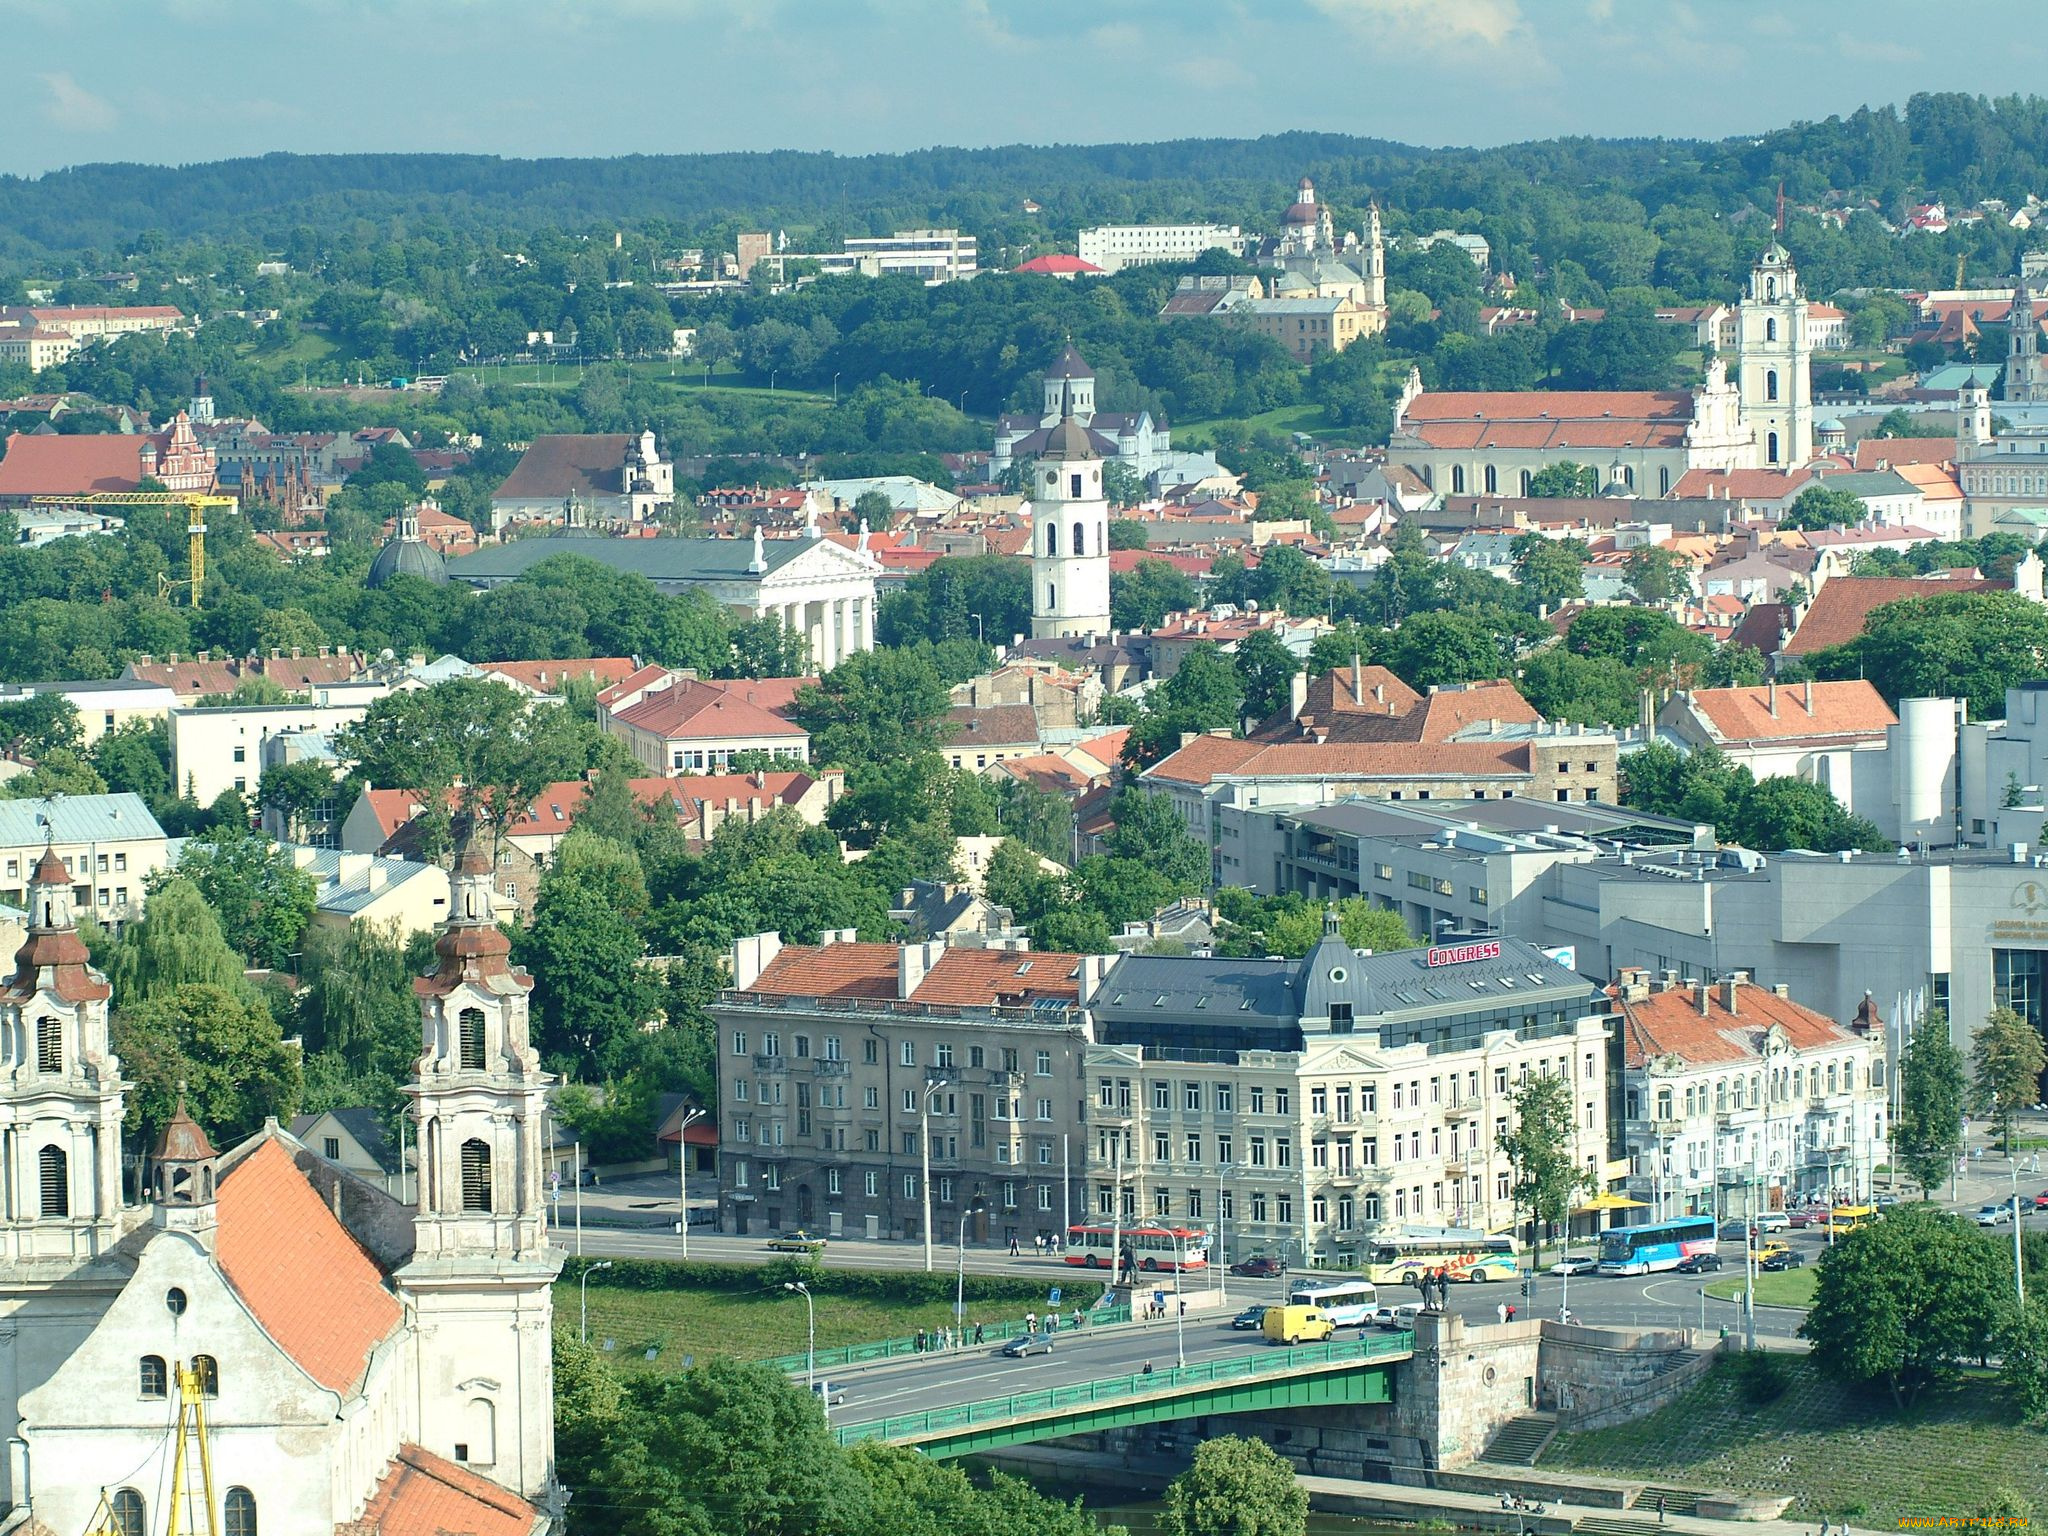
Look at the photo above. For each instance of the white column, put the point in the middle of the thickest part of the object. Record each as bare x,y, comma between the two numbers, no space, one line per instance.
839,621
867,622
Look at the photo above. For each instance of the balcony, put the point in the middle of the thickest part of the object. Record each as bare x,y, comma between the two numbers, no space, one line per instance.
828,1068
1462,1109
770,1063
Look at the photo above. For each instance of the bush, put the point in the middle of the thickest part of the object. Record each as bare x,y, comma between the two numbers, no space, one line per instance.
1762,1377
909,1288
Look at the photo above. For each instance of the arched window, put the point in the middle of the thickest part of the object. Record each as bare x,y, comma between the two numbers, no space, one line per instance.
1528,482
49,1045
1080,544
470,1044
1770,383
1052,598
1052,538
130,1517
1664,481
1770,287
207,1369
156,1380
239,1513
476,1176
1457,479
1770,330
1492,481
480,1426
53,1169
1771,448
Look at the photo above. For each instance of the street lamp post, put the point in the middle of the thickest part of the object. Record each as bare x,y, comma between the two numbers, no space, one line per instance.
1180,1302
690,1118
803,1289
583,1299
835,389
960,1274
931,1086
1216,1254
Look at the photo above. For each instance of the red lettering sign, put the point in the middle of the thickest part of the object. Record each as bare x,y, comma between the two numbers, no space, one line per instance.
1463,954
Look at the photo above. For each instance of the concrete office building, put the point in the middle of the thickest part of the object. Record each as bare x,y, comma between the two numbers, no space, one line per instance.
1295,1105
1113,247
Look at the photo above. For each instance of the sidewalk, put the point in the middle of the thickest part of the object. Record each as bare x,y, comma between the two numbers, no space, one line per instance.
1339,1495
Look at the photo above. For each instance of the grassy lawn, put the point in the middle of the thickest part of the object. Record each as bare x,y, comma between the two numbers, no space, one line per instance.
1288,418
1838,1453
1785,1288
746,1325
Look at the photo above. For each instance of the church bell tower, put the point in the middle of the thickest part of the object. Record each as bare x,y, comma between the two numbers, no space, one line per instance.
1774,363
1069,535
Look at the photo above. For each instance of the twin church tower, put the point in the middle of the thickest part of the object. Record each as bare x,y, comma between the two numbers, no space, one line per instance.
1069,511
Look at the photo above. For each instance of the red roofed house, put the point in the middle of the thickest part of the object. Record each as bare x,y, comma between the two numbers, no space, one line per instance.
1000,1032
1842,606
1730,1081
1058,264
552,676
58,465
689,725
1811,731
1494,442
369,1366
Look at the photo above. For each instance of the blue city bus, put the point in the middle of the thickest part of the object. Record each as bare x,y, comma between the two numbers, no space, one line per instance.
1660,1245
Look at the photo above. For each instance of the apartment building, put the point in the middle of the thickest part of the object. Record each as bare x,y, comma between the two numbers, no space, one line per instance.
1292,1106
1738,1099
886,1090
110,845
1113,247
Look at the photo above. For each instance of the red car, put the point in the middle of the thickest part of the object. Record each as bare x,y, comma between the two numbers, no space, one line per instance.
1812,1216
2041,1201
1259,1267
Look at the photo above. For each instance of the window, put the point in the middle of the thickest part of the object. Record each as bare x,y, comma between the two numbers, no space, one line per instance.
156,1380
910,1186
1492,481
49,1045
1080,539
739,1090
832,1048
910,1053
1045,1109
1162,1097
1770,384
1045,1197
871,1097
771,1045
942,1055
1223,1150
739,1042
1162,1204
1044,1064
207,1372
1223,1098
54,1171
472,1040
1770,447
130,1519
1258,1101
1258,1144
1162,1147
803,1047
870,1052
1282,1098
1258,1206
1194,1149
1457,479
1191,1097
239,1513
1770,330
330,1148
872,1141
476,1176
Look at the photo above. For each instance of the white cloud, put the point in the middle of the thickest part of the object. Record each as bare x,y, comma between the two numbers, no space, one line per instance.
1600,10
72,106
1431,23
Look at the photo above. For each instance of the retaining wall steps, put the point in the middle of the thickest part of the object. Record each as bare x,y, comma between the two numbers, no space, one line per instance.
1522,1439
1677,1501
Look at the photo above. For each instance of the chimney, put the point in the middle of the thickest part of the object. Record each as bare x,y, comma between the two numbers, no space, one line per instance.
1635,984
1703,998
1809,696
914,963
1358,679
1730,988
1772,686
1784,989
750,957
1297,695
1092,971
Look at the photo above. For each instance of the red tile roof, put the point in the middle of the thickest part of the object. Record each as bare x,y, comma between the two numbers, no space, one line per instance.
420,1494
1765,713
1671,1024
548,676
1843,606
831,970
66,465
694,709
1549,419
297,1269
1208,758
991,725
1742,484
1044,771
559,462
969,977
1057,264
1879,452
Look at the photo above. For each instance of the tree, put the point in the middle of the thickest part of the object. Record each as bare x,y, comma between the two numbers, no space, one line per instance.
176,941
1205,693
293,791
1122,485
873,707
1822,506
2021,1343
1652,574
1565,479
1143,598
221,1045
1290,581
1972,645
1235,1486
1899,1302
1267,668
262,898
1291,924
2008,1057
357,1013
136,759
1126,533
1541,1147
473,743
591,995
872,508
1928,1132
39,724
1148,832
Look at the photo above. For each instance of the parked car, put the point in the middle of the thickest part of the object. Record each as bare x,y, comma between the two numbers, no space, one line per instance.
1575,1264
1994,1215
1734,1231
1784,1258
798,1241
830,1393
1260,1266
1773,1221
1029,1344
1250,1318
1396,1318
1699,1263
1808,1216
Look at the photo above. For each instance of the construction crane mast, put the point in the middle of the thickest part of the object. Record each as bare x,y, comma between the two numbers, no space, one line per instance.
195,503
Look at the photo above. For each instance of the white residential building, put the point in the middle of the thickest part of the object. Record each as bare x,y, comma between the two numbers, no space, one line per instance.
215,750
108,844
1113,247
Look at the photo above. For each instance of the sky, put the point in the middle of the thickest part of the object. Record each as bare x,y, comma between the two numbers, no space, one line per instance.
179,81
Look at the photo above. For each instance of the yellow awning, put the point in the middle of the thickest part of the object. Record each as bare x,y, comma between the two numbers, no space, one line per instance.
1613,1202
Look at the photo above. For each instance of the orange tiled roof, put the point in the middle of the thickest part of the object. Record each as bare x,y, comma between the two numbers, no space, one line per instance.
1741,484
1842,607
1548,419
831,970
1891,452
1044,771
548,676
1209,758
420,1494
1853,708
694,709
309,1285
982,976
1671,1024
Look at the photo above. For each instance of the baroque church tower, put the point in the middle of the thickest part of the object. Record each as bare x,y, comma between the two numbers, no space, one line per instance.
1069,534
478,1282
1774,362
2026,371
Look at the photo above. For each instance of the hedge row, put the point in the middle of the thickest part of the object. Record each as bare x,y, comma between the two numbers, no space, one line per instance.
905,1286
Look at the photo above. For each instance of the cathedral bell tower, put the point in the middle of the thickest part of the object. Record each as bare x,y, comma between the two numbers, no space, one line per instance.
60,1091
2026,371
1774,363
481,1269
1069,535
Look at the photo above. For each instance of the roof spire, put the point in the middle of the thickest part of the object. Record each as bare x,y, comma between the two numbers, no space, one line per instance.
1780,224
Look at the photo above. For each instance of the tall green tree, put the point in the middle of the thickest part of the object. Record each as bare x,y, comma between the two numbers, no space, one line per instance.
176,941
39,724
1540,1146
1235,1486
1928,1133
1822,506
2008,1059
873,707
263,900
592,997
221,1045
1267,668
1551,571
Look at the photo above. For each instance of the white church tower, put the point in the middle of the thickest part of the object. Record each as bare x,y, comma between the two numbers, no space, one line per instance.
1774,362
1375,262
60,1092
478,1282
1069,535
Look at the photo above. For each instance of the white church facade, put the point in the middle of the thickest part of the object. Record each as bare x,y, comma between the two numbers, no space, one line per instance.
1069,534
362,1366
1755,411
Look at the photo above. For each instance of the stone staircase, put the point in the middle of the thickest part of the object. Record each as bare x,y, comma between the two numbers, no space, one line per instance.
1613,1525
1683,1361
1677,1501
1522,1439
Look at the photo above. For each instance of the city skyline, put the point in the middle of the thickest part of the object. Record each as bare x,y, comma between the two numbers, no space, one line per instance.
222,79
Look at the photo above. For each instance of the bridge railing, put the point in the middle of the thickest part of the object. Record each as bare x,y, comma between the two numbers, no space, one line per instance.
1021,1405
993,1334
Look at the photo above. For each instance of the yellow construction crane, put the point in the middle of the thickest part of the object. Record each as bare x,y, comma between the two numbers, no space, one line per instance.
195,1385
195,503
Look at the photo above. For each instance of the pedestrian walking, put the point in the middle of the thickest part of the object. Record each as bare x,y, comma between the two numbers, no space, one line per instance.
1823,1525
1014,1250
1031,1322
920,1341
1511,1312
1077,1318
978,1333
1660,1516
1502,1311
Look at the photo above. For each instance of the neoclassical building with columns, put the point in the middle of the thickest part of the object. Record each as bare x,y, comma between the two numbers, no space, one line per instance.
821,590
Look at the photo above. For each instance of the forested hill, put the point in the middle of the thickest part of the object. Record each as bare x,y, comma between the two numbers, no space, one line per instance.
1950,146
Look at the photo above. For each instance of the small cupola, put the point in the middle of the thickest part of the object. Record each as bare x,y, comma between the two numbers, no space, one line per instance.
182,1176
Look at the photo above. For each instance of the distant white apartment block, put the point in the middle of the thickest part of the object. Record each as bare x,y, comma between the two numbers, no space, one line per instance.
936,255
1113,247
